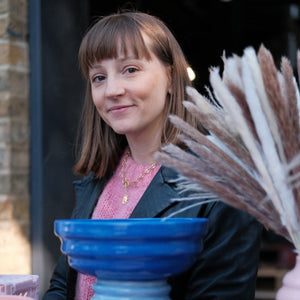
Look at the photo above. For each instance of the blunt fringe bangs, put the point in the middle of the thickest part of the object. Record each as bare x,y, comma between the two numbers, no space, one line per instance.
109,37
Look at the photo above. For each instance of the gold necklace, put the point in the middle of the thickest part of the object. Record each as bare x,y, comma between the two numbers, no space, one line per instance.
125,181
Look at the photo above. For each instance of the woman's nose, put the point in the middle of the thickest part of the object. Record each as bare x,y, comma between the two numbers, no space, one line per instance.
114,87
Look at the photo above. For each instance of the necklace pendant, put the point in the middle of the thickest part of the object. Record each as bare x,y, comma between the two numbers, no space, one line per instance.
125,199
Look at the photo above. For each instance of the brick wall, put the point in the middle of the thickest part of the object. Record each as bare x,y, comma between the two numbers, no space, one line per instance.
14,139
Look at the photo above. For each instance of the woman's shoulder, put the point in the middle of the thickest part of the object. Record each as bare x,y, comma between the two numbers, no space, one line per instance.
84,180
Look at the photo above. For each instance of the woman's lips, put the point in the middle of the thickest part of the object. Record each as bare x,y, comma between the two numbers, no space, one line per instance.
119,108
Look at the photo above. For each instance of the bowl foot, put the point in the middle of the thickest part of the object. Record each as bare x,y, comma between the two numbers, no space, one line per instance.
127,290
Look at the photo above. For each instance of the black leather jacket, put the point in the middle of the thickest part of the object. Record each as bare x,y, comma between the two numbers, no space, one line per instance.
227,266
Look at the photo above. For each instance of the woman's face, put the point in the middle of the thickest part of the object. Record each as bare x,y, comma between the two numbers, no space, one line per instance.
130,94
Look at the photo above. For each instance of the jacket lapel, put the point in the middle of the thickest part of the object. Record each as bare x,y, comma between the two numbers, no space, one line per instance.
158,196
156,199
87,192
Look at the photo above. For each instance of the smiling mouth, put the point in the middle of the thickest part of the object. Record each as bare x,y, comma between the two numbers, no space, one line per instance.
121,108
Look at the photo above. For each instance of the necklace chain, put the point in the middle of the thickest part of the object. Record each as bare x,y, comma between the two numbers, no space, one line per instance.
127,183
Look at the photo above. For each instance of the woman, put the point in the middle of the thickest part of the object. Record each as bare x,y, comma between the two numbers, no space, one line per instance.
136,76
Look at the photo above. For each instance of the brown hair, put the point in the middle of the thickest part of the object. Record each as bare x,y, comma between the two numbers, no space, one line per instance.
101,147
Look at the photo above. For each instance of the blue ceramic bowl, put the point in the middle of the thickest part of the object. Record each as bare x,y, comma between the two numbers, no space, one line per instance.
131,249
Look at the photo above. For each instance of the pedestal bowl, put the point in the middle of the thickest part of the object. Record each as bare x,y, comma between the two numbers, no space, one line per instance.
131,258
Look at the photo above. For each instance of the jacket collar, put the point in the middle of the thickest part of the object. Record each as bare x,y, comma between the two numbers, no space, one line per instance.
156,199
158,196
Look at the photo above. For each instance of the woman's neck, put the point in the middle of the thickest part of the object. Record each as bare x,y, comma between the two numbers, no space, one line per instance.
142,150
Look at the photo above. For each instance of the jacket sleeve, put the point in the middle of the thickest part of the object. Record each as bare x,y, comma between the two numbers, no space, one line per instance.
63,280
227,266
58,282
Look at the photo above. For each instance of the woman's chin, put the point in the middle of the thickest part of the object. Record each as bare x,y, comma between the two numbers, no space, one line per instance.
120,131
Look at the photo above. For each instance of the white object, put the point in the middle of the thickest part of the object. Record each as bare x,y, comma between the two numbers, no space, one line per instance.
23,285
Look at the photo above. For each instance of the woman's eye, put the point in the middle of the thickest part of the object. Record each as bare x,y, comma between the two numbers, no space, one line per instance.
98,78
131,70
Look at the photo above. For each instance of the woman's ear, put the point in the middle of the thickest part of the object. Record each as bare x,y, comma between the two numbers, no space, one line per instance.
170,76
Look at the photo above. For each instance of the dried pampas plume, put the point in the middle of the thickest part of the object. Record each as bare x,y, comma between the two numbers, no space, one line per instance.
251,157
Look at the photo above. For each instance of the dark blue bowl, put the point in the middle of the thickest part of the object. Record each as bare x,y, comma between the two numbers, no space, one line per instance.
131,249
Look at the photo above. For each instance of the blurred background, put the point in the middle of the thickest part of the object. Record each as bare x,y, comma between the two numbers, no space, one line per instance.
41,96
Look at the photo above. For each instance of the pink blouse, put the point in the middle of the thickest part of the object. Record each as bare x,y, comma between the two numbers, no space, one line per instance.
110,206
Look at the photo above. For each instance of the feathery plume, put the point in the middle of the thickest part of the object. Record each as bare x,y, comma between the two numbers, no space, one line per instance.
251,157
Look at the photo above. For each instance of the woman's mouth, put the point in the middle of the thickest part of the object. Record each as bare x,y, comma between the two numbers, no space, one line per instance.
119,109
